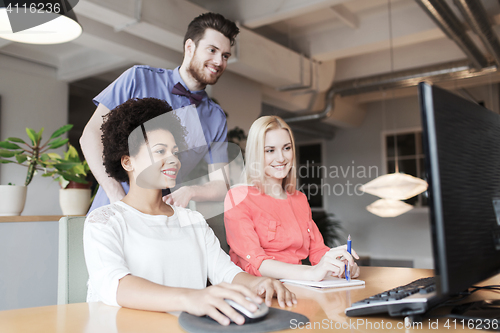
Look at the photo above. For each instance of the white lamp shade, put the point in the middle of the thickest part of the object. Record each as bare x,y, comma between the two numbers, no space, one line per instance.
59,30
389,208
396,186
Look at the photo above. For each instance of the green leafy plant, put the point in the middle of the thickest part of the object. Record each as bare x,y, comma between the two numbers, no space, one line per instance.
32,155
237,136
68,168
330,228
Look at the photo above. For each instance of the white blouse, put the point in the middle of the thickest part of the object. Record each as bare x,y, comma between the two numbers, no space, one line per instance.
176,251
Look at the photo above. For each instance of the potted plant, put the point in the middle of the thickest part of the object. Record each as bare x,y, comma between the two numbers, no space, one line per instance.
12,198
71,172
31,155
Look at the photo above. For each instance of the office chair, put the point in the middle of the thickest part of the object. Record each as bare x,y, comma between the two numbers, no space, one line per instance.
215,212
72,270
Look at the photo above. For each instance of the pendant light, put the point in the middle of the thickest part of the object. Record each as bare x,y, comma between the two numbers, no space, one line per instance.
42,22
395,186
388,207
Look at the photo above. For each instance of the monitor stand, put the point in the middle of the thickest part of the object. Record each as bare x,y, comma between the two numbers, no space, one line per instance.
483,314
480,309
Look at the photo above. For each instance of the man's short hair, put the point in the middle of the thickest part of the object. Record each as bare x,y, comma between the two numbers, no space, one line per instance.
119,137
197,27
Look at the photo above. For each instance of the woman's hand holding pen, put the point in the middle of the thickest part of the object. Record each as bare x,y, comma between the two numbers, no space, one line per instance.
354,271
333,263
341,253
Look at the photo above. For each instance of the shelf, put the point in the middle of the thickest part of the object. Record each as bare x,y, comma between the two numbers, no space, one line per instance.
39,218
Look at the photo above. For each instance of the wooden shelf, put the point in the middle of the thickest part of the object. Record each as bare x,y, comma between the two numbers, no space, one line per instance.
39,218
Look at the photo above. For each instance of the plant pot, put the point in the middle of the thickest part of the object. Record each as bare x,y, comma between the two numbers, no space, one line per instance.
12,199
74,201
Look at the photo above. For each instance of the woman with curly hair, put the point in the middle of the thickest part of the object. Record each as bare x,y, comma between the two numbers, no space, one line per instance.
145,254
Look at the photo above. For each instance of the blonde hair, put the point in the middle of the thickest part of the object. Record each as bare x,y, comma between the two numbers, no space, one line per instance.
254,153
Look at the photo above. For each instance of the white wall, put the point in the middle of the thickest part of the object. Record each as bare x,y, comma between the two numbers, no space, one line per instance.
240,97
31,97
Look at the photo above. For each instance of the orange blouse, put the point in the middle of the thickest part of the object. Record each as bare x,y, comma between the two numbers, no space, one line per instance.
260,227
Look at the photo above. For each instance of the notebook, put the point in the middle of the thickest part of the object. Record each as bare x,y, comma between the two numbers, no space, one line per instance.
327,282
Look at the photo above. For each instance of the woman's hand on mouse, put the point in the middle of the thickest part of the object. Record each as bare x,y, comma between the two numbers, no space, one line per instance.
268,287
210,302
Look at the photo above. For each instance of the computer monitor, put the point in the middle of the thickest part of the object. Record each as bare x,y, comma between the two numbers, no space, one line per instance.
462,146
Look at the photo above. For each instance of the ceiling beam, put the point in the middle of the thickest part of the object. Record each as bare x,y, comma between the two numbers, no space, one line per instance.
410,26
88,62
257,13
415,55
122,44
4,42
162,22
346,16
29,53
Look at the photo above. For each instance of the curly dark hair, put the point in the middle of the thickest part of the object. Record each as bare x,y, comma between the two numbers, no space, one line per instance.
122,126
197,27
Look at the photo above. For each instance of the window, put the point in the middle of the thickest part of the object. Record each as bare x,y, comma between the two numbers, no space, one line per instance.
310,174
406,147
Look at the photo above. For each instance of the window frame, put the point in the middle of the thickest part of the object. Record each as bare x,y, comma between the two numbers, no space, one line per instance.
401,131
322,144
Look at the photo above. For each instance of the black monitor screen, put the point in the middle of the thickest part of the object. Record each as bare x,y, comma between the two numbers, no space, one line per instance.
462,146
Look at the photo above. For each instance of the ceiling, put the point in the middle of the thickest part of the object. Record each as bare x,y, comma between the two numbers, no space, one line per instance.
349,38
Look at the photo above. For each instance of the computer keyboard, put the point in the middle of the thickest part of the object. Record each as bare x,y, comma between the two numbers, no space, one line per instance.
409,299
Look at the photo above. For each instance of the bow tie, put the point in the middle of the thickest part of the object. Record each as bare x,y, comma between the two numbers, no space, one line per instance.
193,98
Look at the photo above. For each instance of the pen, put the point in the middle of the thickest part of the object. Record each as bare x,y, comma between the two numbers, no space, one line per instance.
348,267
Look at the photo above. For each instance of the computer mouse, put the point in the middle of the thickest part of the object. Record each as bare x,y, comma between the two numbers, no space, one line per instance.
250,317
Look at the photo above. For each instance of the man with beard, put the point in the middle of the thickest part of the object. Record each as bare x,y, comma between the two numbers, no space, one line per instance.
207,48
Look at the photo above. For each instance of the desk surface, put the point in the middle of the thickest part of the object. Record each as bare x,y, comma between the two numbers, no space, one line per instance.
324,309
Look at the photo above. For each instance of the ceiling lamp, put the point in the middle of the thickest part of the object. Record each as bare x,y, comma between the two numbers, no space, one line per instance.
396,186
389,208
43,22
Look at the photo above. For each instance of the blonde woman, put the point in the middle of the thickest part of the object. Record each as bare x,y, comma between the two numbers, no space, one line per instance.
268,222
